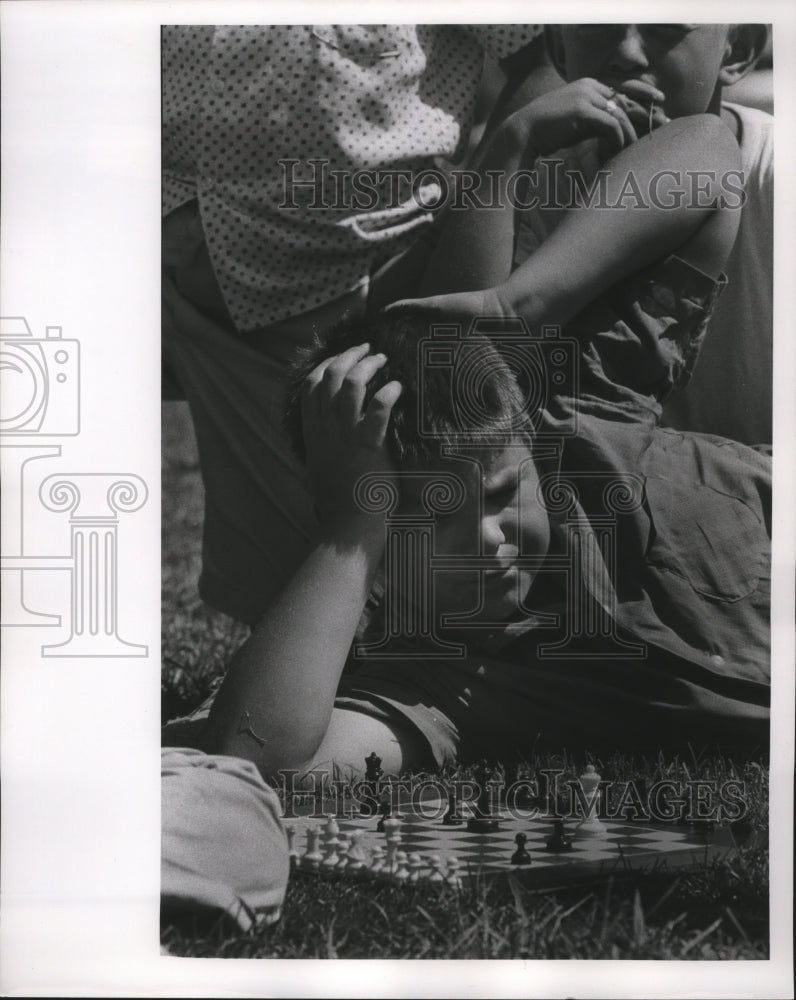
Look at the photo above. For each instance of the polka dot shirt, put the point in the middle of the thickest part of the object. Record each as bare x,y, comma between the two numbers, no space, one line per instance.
312,149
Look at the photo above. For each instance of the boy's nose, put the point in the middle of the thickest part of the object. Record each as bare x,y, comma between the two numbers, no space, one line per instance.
631,53
493,533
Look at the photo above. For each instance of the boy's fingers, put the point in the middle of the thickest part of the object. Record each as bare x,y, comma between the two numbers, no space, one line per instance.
314,386
639,90
609,127
339,366
606,99
617,111
373,428
351,396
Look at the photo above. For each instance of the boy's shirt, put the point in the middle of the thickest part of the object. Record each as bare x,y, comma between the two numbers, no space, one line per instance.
730,393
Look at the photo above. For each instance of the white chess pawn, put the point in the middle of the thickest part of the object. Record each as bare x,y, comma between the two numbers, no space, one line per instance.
435,864
376,865
591,825
356,855
313,857
416,866
342,852
390,858
453,878
401,873
330,857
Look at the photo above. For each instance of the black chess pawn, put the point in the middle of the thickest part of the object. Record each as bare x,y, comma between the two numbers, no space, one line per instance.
386,812
521,856
559,842
483,819
452,817
373,771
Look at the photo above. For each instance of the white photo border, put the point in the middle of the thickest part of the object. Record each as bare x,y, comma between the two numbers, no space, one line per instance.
80,736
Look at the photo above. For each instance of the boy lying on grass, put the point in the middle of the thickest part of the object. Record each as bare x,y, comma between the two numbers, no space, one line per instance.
685,588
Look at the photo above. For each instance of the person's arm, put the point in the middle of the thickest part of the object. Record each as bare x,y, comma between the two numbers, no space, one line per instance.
593,247
276,700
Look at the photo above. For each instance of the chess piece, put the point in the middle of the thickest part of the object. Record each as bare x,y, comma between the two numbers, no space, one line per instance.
453,878
591,825
483,820
416,866
376,862
342,852
390,858
373,771
313,857
290,833
356,854
401,872
330,856
436,874
392,829
452,817
521,855
559,842
331,829
386,812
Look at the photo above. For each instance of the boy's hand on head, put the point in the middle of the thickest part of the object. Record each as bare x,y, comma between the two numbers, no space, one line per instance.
345,439
586,109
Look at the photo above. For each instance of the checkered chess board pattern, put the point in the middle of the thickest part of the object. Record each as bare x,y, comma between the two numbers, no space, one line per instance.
624,847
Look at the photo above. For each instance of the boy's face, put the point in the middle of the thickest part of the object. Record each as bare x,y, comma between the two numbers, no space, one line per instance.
500,520
682,60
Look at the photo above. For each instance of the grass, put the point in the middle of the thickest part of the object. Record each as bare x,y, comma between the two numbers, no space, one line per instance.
718,911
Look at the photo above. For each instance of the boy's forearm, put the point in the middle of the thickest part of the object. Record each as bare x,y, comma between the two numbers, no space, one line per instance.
594,248
275,703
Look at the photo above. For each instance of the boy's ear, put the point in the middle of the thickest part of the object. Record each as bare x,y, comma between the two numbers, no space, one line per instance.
745,44
554,43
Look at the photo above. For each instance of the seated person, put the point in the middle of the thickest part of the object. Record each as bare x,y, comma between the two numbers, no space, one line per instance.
692,65
680,592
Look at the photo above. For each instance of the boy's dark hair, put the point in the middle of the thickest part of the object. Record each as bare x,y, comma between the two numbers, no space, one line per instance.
474,398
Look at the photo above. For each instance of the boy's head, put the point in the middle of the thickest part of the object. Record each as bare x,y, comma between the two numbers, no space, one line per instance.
468,419
456,391
690,63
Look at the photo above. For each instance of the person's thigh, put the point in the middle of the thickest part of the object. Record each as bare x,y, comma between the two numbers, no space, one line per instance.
258,516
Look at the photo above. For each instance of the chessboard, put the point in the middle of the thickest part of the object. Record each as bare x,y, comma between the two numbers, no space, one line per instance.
426,850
